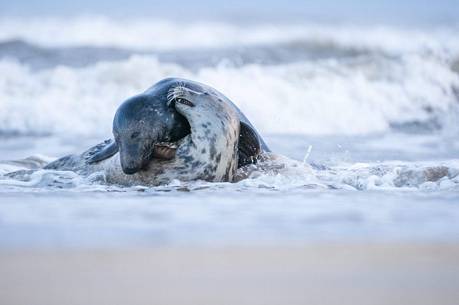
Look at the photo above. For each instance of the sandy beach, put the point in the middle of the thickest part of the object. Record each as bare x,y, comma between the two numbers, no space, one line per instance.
310,274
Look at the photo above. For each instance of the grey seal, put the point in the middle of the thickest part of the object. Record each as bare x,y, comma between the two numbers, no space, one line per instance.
209,152
148,128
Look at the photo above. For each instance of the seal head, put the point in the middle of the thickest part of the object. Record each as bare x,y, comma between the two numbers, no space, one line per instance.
144,128
210,151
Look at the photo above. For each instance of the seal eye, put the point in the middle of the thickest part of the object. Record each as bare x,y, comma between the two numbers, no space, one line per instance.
135,135
184,102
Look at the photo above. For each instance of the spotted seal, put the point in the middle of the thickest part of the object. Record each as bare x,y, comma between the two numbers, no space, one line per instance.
209,152
147,120
147,128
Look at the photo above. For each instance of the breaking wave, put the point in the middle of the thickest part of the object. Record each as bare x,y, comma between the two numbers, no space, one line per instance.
68,76
357,96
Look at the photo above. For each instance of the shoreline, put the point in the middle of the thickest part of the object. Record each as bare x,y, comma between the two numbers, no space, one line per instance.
316,273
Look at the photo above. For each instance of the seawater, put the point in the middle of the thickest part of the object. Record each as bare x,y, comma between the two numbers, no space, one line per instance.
364,119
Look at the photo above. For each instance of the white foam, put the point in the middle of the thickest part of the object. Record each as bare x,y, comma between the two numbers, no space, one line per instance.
330,97
322,97
276,173
72,101
402,73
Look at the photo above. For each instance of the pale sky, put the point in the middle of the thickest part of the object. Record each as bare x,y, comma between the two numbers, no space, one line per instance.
401,11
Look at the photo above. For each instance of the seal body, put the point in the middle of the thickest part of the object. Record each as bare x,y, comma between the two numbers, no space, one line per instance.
209,152
146,125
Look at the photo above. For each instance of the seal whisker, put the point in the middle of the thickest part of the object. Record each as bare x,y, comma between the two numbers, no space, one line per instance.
176,92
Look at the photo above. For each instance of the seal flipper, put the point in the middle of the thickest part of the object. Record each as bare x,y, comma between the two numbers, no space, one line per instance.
249,146
101,151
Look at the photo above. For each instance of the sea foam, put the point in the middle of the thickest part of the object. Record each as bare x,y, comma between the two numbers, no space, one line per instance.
357,96
373,78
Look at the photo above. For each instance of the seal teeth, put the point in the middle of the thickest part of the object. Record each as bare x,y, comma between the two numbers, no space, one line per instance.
164,150
167,144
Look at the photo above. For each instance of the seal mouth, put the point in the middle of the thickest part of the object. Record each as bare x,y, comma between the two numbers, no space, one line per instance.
164,150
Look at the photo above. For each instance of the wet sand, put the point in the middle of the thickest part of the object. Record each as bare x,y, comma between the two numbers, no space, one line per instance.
311,274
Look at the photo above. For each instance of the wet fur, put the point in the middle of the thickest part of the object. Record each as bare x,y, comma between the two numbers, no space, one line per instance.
209,152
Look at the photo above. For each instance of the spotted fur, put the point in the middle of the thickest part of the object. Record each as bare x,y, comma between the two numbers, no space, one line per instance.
209,152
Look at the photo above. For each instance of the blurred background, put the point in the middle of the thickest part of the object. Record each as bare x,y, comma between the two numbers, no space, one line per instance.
357,11
316,67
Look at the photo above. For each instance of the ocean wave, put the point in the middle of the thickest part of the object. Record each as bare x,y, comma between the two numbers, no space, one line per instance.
39,57
68,76
162,34
357,95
